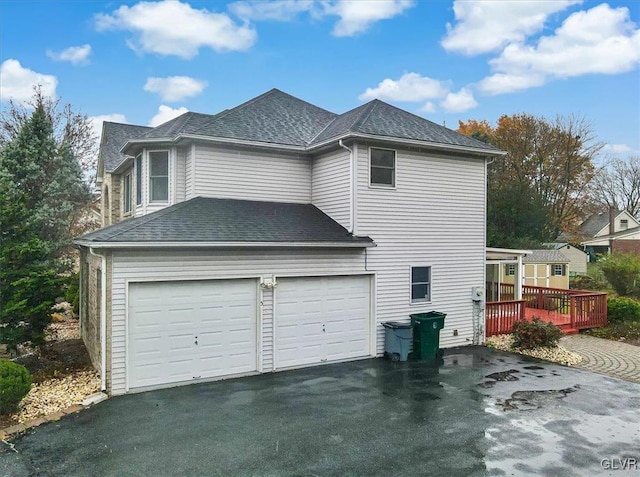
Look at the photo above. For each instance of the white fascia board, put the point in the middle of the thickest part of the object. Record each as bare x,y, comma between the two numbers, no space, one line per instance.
85,243
412,142
508,251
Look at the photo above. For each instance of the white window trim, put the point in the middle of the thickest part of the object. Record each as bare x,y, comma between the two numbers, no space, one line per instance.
554,274
148,177
508,268
395,170
129,176
423,301
139,177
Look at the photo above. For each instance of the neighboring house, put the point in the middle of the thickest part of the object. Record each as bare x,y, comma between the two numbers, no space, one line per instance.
577,258
542,268
276,235
600,229
624,241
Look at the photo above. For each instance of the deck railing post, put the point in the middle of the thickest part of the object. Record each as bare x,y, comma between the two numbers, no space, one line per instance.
572,312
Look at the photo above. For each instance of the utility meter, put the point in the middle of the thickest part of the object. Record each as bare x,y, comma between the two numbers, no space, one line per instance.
477,294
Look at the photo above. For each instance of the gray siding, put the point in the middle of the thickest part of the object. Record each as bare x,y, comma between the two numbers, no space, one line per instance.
236,174
199,265
188,171
434,217
330,185
180,176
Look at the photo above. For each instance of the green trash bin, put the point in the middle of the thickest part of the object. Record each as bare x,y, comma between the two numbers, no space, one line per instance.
426,334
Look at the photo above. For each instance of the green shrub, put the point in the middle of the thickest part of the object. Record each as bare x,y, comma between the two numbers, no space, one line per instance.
73,292
534,334
623,309
15,383
623,273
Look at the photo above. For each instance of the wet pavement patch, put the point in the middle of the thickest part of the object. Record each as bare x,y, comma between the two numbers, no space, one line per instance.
372,417
504,375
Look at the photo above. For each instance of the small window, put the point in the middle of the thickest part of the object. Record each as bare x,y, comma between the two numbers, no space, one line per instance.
383,167
126,193
420,284
559,270
510,269
139,179
159,176
624,224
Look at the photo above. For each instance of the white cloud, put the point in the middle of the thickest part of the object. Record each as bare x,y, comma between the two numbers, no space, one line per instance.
96,121
428,107
175,88
357,17
74,54
166,113
600,40
18,82
459,102
616,148
411,87
281,10
354,16
487,25
174,28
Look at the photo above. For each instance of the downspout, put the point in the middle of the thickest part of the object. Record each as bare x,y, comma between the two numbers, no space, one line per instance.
351,220
103,319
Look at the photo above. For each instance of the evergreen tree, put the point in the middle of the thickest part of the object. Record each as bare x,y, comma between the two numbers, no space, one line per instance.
41,191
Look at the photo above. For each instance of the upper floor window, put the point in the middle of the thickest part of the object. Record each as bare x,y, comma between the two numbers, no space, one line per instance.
139,179
159,176
126,193
624,224
383,167
420,284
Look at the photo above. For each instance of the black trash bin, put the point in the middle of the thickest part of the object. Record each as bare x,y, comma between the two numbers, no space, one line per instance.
397,337
426,334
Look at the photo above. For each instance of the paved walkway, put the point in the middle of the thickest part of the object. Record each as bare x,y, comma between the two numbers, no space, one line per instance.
620,360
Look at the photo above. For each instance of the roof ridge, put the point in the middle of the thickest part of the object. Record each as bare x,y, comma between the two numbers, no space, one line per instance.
362,117
145,219
336,118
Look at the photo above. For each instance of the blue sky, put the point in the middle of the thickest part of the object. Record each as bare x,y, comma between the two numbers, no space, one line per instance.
145,62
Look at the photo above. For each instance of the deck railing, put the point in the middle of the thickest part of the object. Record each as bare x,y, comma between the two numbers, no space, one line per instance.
501,315
580,309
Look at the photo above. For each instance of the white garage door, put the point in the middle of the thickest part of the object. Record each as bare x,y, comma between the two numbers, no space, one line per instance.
181,331
322,319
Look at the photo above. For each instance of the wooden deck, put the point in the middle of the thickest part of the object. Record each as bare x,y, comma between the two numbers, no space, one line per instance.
571,310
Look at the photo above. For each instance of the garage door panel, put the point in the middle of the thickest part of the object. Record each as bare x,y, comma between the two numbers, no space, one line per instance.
181,330
322,319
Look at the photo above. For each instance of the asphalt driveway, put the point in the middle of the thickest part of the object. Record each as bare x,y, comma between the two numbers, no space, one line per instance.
483,412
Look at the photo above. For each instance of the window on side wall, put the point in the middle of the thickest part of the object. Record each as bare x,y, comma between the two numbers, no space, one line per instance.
383,167
159,176
624,224
420,284
559,270
126,193
139,179
510,269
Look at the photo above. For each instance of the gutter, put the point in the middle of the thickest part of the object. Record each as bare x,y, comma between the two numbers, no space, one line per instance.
351,205
103,319
146,245
306,149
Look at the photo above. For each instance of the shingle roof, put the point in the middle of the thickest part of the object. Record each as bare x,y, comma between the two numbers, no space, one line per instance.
545,256
114,135
273,117
281,119
187,123
381,119
593,224
229,220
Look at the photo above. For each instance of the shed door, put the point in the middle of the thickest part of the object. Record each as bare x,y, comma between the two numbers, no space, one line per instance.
188,330
322,319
